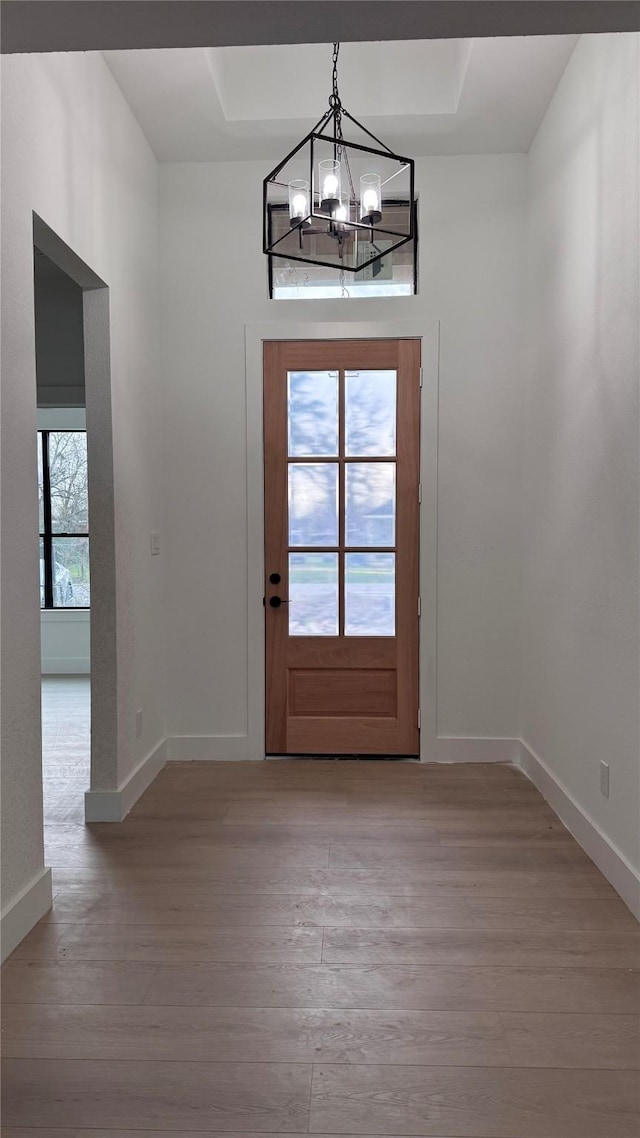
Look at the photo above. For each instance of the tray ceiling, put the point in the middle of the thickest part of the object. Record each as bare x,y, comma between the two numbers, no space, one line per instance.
421,96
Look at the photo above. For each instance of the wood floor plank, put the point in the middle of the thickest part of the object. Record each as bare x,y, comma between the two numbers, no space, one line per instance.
247,789
362,854
75,982
496,947
160,943
364,811
169,1096
187,805
39,1132
193,906
341,824
173,906
377,808
254,1035
543,833
393,986
474,1102
551,1040
404,881
203,807
561,913
66,846
40,944
518,822
64,799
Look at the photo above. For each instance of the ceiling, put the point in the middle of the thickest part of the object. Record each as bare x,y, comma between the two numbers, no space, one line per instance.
86,25
462,96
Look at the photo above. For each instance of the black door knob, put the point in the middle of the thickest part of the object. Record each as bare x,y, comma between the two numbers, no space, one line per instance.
275,602
275,578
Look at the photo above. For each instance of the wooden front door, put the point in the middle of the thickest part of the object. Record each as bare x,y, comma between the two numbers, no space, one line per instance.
341,435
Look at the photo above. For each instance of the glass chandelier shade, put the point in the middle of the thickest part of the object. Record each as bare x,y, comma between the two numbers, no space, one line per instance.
329,179
338,202
299,202
370,199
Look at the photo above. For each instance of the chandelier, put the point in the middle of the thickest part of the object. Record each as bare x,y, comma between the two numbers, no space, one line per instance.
335,202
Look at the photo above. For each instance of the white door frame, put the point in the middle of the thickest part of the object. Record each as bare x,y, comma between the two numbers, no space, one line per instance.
108,722
255,336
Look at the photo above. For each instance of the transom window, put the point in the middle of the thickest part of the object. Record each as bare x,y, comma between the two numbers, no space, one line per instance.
393,275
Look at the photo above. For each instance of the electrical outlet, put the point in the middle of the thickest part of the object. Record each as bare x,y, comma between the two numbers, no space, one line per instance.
138,724
604,779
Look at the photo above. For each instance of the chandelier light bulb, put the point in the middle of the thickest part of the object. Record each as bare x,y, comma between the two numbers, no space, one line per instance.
298,201
370,198
330,186
299,204
329,180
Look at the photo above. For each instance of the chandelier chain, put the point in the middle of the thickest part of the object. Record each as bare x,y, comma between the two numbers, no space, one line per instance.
335,103
334,99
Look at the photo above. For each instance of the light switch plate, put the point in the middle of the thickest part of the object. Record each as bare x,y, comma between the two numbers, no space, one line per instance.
155,544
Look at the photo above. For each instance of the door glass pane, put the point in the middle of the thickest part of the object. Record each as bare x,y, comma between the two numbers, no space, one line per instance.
71,572
313,503
313,594
370,594
370,412
371,503
68,473
40,486
312,400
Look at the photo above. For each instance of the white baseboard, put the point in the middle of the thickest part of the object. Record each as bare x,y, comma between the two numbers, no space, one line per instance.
114,805
66,666
473,749
21,914
208,748
610,861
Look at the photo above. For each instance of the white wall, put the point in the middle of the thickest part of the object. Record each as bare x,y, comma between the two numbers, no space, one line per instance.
65,642
73,153
213,283
580,631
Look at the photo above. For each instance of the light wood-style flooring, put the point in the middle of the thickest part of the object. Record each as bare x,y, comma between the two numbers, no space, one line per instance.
333,948
66,743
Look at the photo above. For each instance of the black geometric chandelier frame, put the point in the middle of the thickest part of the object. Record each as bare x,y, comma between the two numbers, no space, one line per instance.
331,222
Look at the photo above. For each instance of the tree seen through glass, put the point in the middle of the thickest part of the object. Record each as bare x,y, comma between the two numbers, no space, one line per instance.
64,544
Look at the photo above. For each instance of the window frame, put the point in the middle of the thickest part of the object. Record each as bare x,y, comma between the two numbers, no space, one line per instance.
46,535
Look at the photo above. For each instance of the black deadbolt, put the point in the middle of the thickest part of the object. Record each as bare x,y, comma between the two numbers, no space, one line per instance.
275,578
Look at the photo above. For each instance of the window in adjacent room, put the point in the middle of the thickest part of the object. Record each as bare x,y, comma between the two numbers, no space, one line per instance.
64,519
